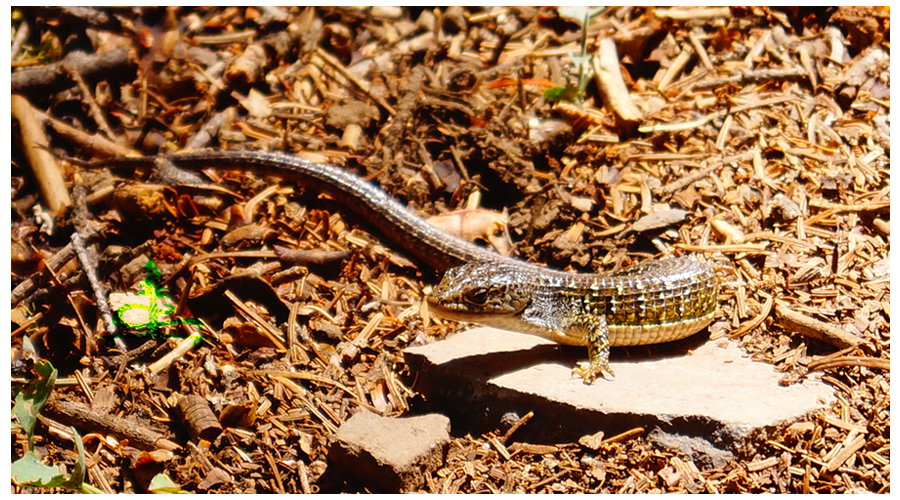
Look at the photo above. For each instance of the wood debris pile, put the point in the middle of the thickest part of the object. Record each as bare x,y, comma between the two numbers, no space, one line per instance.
758,137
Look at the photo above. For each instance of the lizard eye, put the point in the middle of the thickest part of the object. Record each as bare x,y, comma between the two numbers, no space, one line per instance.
478,296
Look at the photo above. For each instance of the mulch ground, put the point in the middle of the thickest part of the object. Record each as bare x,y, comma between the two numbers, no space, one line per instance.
757,137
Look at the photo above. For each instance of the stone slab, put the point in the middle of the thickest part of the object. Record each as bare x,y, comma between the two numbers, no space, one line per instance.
695,387
390,454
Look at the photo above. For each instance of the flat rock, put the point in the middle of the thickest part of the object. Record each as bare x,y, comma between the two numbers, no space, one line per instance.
694,387
390,454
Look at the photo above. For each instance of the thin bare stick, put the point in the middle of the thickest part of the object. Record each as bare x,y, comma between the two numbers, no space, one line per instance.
96,112
43,164
330,59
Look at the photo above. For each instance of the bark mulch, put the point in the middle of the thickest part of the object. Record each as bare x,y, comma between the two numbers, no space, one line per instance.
583,139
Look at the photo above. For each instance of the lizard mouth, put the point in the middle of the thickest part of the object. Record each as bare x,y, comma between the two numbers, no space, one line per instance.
503,321
442,310
456,313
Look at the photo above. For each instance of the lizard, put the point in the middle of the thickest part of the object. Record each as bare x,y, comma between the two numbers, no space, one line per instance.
652,302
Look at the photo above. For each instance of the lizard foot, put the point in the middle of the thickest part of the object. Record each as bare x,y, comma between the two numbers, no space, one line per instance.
590,371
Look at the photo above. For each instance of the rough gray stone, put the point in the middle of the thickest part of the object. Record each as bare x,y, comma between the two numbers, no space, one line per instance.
390,454
693,387
697,449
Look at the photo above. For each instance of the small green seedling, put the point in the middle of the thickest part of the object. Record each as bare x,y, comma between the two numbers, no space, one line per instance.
583,16
28,471
148,310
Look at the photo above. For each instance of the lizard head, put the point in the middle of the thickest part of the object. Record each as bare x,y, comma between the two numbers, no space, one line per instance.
480,292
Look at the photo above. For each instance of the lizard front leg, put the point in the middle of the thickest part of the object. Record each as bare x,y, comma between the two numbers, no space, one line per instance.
598,350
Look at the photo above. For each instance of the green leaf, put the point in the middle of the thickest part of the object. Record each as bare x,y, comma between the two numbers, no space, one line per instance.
29,471
28,349
579,13
579,59
162,484
153,273
79,471
556,94
33,397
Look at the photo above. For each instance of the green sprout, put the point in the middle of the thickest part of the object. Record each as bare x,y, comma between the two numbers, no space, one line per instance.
29,471
152,300
583,16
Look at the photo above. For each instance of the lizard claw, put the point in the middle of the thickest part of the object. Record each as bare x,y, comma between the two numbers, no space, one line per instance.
590,372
